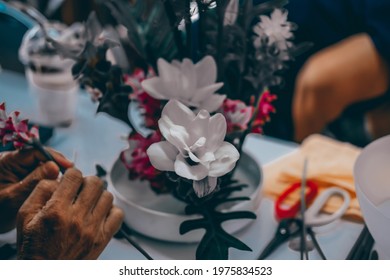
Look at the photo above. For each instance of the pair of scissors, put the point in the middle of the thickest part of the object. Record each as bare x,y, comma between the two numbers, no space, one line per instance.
290,226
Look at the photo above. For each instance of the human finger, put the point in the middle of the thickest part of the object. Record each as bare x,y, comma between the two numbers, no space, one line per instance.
21,190
89,194
104,205
69,186
38,198
60,158
24,160
113,221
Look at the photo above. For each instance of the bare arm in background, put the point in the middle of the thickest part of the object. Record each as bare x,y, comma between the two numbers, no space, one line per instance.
335,78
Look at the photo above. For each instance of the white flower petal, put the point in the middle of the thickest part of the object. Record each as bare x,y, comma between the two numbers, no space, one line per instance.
176,63
183,169
212,182
279,16
179,137
212,103
231,13
153,87
175,134
203,187
226,158
166,71
198,144
193,157
190,83
216,132
162,155
165,124
178,113
201,93
199,126
188,79
206,70
207,157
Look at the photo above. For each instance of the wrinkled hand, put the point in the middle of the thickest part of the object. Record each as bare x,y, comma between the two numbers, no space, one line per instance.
335,78
70,219
20,171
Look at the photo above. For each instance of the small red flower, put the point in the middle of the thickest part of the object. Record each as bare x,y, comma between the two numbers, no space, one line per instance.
266,108
149,106
136,78
135,158
14,130
237,115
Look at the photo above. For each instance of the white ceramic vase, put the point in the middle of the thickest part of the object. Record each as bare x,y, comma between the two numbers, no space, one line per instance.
55,96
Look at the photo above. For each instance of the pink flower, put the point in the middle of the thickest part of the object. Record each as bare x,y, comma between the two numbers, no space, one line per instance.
135,158
136,78
265,109
14,130
237,115
95,93
149,106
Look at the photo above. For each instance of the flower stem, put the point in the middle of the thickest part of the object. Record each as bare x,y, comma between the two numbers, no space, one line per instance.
38,146
250,124
123,232
201,11
173,22
188,24
220,14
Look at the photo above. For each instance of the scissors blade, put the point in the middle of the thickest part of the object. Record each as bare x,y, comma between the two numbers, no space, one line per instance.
304,253
315,242
287,228
272,246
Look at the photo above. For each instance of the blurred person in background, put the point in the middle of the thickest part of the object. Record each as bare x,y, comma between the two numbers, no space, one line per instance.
340,86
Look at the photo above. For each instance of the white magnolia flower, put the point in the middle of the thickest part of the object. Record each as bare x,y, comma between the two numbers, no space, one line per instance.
276,28
194,148
192,84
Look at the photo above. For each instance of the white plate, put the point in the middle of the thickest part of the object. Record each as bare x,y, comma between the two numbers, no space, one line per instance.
160,216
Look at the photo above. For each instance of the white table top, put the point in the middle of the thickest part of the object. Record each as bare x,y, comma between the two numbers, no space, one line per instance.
96,139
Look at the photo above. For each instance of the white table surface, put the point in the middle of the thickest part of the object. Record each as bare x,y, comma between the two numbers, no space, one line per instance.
97,139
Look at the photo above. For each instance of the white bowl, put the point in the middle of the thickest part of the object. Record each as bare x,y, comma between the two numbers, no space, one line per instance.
160,216
372,180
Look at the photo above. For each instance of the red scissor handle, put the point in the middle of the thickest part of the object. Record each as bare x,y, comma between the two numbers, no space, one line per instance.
283,212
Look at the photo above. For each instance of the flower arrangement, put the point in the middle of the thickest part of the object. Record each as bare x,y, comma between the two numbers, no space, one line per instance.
16,132
201,85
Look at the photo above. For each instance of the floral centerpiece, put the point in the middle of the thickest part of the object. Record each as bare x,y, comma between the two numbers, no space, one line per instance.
201,79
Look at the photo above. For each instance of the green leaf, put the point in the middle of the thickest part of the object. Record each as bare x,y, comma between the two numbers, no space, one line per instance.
216,241
149,28
116,105
215,245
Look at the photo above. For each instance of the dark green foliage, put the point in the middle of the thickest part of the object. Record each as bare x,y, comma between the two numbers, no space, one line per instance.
216,241
151,32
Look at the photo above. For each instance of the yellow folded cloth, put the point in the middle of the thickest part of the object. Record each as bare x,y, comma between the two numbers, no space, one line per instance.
330,163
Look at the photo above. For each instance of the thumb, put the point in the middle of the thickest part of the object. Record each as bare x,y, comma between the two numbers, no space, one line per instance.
21,191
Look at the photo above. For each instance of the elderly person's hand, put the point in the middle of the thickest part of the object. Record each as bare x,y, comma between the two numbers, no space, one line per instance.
335,78
70,219
20,171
